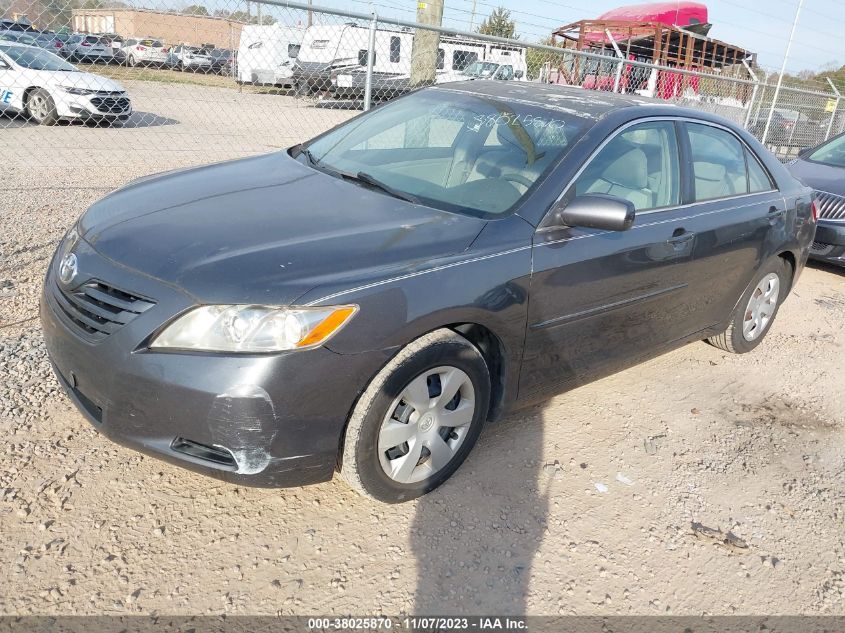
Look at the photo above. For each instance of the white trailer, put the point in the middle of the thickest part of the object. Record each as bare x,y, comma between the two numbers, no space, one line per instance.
267,53
331,53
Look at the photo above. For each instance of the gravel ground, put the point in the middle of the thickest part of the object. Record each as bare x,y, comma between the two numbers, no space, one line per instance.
601,501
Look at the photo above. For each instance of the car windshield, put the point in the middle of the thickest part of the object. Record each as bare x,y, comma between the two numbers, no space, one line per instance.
456,151
480,69
36,59
831,153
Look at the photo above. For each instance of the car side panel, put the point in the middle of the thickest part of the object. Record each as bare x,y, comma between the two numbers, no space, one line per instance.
486,285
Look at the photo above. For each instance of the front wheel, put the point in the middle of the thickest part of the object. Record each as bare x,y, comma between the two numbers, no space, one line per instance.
757,308
41,108
418,419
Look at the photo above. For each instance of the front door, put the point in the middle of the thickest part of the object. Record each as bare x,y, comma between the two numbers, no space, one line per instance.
602,300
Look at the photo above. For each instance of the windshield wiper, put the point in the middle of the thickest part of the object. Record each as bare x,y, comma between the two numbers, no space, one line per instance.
368,179
304,151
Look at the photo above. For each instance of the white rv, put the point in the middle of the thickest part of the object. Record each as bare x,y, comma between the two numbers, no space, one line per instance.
458,59
267,53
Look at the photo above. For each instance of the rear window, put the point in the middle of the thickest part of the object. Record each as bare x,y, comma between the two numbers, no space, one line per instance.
92,39
293,51
153,43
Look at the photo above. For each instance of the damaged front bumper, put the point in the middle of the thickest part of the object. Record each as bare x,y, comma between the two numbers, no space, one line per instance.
262,420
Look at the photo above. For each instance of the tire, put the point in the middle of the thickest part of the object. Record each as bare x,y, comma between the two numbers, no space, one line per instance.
437,354
745,330
41,108
131,61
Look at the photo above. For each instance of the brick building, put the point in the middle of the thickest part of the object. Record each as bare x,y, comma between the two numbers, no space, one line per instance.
173,28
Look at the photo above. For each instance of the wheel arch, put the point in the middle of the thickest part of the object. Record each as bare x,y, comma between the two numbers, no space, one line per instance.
790,258
493,350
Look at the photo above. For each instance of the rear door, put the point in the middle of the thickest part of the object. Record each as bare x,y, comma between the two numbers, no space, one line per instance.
602,300
735,211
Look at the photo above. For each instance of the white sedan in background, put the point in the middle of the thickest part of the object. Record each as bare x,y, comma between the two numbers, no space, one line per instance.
46,88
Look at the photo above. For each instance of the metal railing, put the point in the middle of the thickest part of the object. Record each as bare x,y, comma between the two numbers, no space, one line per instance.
164,88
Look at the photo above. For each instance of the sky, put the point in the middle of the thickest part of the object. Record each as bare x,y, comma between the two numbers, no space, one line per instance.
761,26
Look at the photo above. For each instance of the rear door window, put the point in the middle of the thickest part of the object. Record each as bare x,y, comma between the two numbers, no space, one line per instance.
718,162
758,178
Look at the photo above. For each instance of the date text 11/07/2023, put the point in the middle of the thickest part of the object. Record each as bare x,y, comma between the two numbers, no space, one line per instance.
413,623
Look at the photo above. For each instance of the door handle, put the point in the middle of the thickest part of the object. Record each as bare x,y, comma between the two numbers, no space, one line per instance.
775,213
680,237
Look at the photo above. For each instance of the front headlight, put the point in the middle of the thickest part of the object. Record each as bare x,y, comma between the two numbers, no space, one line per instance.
77,91
253,328
69,242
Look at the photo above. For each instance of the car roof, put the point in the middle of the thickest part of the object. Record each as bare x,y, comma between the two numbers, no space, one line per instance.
587,104
19,45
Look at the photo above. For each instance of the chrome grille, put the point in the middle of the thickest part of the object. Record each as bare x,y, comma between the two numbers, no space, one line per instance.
97,309
111,105
831,206
821,249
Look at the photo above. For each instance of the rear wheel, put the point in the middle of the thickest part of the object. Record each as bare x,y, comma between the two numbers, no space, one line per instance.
418,419
132,61
41,108
757,308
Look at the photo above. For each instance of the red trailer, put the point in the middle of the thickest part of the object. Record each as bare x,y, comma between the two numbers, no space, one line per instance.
672,35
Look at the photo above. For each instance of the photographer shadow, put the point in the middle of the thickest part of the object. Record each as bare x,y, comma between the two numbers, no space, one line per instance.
475,538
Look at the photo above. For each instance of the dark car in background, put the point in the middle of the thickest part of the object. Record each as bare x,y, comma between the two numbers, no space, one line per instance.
788,128
470,249
823,169
222,60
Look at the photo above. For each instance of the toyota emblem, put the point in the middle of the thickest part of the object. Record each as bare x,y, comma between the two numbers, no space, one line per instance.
68,268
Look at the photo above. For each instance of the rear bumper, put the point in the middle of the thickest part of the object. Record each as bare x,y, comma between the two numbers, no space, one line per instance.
829,243
273,420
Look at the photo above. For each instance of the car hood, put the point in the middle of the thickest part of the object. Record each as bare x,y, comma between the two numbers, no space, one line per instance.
87,81
818,176
266,229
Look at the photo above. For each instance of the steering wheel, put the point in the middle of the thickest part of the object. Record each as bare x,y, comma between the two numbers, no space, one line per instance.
517,178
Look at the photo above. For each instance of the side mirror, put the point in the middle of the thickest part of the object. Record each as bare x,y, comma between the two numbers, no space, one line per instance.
3,65
597,211
518,74
804,152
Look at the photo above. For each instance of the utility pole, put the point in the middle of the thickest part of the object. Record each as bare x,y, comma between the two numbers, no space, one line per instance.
310,17
426,43
782,70
472,16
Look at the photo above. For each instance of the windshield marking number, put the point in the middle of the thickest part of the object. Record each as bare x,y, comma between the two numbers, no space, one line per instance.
6,96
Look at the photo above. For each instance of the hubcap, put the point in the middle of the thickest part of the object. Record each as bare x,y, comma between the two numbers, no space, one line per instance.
38,106
426,425
761,307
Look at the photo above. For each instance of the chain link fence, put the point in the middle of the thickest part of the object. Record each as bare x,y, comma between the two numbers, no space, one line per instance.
103,81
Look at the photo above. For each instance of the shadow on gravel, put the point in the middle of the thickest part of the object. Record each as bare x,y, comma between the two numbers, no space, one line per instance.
137,120
340,104
475,538
828,268
147,119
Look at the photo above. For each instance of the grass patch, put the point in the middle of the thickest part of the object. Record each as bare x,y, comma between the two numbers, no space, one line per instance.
162,75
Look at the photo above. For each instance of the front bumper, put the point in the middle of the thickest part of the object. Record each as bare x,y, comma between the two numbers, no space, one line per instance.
829,243
95,106
279,418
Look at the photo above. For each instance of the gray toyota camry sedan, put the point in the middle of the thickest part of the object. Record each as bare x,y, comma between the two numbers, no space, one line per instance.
364,302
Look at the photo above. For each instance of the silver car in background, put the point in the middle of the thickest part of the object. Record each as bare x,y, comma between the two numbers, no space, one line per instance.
184,57
148,51
88,48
